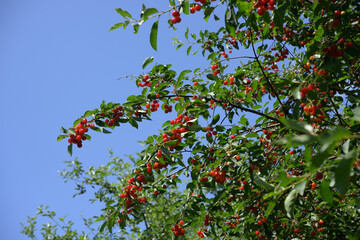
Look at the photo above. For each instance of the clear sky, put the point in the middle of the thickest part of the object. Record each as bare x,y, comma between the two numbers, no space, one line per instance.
57,61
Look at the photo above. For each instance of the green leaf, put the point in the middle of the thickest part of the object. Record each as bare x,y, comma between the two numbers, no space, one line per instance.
290,202
188,50
296,93
345,146
104,130
211,77
270,207
298,126
295,141
262,183
116,26
153,35
70,149
72,131
61,137
231,115
244,7
300,187
185,7
342,172
147,61
325,191
231,22
182,74
123,13
133,123
319,33
103,226
308,153
356,116
148,12
279,16
215,119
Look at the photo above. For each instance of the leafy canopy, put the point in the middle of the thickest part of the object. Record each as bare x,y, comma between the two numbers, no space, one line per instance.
264,146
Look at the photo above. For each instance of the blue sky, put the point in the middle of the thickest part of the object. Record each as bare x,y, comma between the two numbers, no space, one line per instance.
57,61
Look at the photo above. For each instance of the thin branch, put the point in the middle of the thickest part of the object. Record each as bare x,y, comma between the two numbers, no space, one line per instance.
262,70
336,111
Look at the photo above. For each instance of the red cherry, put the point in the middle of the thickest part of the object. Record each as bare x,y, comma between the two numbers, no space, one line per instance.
175,13
192,10
319,176
197,7
337,13
335,23
213,67
349,44
311,87
261,10
196,83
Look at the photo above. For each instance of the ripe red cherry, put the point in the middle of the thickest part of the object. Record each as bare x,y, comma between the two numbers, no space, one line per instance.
349,44
175,13
311,87
261,10
176,19
337,13
181,222
319,176
197,7
192,10
232,136
196,83
342,40
213,67
335,23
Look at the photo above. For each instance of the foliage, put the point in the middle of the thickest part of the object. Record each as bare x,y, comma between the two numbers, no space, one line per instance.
269,143
106,183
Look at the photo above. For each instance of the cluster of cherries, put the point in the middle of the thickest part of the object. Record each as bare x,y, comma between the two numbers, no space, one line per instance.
176,133
178,230
168,108
201,234
176,15
145,83
131,195
215,69
154,106
263,5
80,130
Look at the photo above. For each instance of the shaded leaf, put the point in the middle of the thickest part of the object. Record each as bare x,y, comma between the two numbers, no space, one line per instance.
147,61
342,172
262,183
325,191
290,202
153,35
